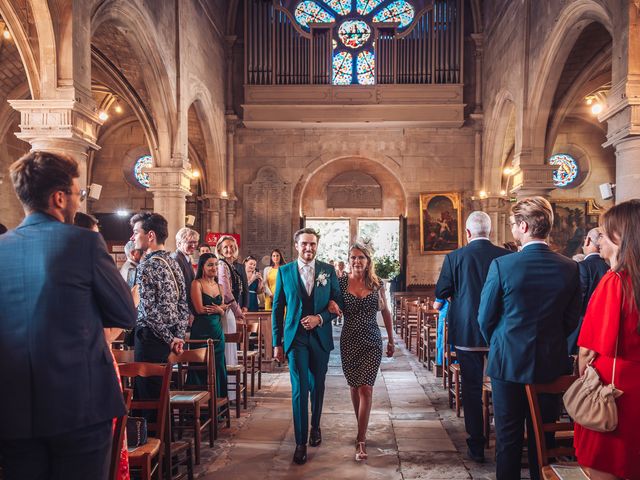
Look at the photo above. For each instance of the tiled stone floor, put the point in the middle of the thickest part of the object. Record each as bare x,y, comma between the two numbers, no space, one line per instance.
412,432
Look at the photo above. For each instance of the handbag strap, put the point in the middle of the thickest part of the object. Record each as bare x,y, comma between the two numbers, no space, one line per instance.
615,356
170,271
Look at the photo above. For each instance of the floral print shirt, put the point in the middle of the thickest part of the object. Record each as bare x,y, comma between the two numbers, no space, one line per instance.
162,307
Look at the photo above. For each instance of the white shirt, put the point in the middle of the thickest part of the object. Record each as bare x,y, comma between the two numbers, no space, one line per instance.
478,238
312,266
591,255
532,242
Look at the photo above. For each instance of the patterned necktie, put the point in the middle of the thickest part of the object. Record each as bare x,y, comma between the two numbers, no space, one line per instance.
308,280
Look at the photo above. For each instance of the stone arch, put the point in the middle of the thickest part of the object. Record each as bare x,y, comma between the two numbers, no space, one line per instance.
138,28
320,171
502,136
27,54
568,27
213,132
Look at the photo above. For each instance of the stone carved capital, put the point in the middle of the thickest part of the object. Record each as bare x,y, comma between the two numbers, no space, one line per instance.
68,120
169,181
530,180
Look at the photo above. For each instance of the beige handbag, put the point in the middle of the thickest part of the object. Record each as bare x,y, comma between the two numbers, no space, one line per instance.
592,404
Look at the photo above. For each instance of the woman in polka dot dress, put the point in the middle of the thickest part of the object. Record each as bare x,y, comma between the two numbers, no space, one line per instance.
361,342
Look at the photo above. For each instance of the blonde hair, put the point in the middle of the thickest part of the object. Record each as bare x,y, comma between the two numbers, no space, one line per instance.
537,213
371,280
223,239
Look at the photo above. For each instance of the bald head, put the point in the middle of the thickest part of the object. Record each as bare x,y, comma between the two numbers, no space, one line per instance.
592,241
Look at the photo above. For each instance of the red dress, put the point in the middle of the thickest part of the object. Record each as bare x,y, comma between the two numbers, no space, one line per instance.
123,467
616,452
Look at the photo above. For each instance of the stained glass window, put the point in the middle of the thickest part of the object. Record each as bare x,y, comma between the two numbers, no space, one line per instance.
366,68
310,12
398,11
354,33
566,171
341,7
342,68
365,7
139,170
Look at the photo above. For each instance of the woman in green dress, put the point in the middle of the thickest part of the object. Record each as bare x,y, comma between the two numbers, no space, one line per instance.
207,302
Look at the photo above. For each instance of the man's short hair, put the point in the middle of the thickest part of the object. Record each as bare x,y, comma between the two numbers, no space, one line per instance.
85,220
186,234
537,213
37,175
306,230
595,235
152,221
479,224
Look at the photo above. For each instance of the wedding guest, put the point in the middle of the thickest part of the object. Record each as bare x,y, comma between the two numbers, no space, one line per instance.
163,311
204,248
186,243
340,269
360,341
129,268
529,304
610,337
231,290
84,220
269,275
254,280
206,297
59,288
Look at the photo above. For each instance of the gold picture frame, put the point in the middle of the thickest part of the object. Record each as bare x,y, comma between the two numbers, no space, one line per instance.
572,220
440,222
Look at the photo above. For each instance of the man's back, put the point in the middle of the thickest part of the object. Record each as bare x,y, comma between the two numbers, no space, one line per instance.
58,289
592,269
529,304
463,274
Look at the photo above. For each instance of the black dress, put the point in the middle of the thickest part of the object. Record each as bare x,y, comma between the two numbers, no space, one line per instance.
360,342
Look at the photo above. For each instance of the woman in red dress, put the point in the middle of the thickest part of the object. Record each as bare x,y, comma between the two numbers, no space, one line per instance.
612,316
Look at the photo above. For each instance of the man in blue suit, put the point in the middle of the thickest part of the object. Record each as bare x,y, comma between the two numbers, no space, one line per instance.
462,277
530,303
304,289
59,289
592,268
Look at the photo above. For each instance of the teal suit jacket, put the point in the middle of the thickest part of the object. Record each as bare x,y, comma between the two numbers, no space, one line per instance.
289,294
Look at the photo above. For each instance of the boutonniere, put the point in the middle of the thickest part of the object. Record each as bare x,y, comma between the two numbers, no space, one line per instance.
321,280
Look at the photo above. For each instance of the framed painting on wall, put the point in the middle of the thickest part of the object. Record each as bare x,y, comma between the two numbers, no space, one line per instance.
440,219
572,220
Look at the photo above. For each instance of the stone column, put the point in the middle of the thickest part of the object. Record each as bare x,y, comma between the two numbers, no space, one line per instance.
496,208
223,215
232,123
231,216
478,40
627,169
60,126
170,186
212,207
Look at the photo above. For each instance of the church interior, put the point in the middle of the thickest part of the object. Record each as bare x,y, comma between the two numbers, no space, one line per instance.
259,117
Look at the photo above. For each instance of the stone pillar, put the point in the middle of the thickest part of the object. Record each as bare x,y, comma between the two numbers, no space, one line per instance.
627,169
496,208
223,215
60,126
212,207
170,186
478,40
231,215
232,122
230,41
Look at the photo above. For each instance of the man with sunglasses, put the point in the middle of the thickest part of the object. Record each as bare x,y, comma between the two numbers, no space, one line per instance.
59,288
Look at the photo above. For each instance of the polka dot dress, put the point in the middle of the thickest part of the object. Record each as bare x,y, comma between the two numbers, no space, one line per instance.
360,342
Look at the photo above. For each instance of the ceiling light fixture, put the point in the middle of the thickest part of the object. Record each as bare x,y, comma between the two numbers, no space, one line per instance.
6,34
103,116
195,173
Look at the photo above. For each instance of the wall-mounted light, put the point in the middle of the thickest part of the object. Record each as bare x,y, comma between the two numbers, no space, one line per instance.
598,99
195,173
508,171
483,194
224,194
503,192
596,108
122,212
103,116
6,34
117,108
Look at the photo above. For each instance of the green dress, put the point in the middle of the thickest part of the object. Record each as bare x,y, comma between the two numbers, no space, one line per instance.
210,326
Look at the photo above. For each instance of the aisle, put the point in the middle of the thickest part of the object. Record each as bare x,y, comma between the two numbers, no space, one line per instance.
407,439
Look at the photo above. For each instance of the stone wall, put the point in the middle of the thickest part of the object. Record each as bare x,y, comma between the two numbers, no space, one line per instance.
11,148
417,160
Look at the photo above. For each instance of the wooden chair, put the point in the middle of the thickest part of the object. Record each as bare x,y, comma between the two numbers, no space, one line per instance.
119,437
191,400
455,390
411,322
143,456
237,373
448,358
487,410
254,357
123,356
558,386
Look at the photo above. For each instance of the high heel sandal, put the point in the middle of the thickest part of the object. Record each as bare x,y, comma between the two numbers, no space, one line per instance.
361,452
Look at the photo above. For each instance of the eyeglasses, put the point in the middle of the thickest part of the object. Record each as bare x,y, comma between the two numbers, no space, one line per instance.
82,193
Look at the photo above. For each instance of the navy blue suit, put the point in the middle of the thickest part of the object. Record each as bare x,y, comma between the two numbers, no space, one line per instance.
530,303
189,275
592,269
462,277
58,289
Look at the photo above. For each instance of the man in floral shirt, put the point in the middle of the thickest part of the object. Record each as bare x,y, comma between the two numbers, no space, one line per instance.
163,312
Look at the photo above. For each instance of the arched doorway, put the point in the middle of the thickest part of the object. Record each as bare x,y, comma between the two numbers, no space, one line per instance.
355,197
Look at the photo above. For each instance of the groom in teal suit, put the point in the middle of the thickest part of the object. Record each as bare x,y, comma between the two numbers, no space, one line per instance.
304,288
